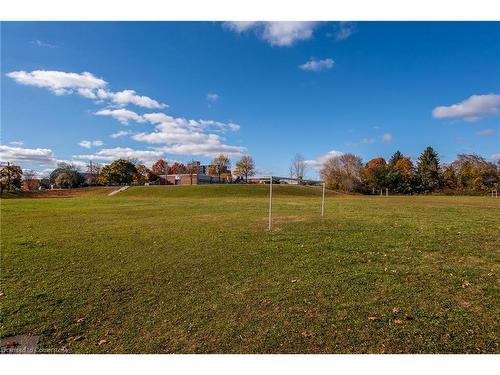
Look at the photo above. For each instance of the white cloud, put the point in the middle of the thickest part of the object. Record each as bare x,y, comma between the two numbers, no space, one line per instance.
16,143
314,65
471,109
387,138
486,132
213,97
90,144
84,84
59,83
122,98
276,33
343,30
183,136
121,133
110,154
40,156
40,43
495,157
122,115
317,163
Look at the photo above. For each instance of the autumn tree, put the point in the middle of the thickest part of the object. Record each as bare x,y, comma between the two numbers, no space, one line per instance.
342,172
403,173
474,173
375,174
400,177
220,165
428,170
120,171
141,175
298,167
177,168
245,167
160,167
66,176
10,177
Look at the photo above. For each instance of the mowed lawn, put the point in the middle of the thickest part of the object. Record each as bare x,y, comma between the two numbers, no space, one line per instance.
194,270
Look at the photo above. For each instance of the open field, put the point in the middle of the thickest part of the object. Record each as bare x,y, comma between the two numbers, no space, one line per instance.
193,269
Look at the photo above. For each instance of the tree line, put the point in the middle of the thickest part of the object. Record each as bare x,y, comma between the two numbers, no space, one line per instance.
468,174
122,171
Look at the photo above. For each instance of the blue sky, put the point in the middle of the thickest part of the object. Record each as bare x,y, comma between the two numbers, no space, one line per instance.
189,90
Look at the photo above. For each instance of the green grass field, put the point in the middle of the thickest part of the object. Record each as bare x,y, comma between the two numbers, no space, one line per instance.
194,269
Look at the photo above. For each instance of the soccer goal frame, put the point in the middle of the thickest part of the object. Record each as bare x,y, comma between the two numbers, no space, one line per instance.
299,181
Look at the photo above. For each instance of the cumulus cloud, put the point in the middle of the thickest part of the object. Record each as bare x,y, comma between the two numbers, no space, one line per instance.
84,84
90,144
495,157
184,136
276,33
20,155
59,83
16,143
213,97
122,115
110,154
343,30
121,133
317,163
314,65
125,97
387,138
471,109
486,132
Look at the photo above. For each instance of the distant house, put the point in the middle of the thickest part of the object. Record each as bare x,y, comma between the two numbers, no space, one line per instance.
201,177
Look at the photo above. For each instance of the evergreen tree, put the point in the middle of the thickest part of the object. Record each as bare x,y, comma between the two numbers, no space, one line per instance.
395,158
428,170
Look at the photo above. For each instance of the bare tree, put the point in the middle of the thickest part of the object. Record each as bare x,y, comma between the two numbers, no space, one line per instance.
342,172
29,176
192,168
297,167
93,172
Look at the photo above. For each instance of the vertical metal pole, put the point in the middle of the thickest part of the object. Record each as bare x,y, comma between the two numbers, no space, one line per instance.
386,192
270,202
323,202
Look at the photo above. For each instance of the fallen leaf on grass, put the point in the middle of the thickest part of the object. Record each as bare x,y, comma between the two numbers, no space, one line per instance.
306,334
373,318
80,320
102,342
10,343
294,280
408,317
395,310
398,321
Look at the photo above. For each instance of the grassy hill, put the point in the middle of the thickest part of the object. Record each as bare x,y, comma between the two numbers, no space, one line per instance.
194,269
